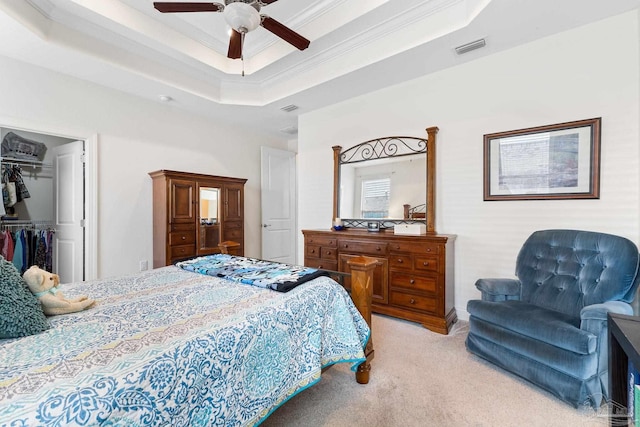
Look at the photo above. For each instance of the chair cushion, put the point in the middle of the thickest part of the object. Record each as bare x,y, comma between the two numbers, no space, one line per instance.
538,323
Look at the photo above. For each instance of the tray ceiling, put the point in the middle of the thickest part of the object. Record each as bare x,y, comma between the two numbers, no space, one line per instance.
356,46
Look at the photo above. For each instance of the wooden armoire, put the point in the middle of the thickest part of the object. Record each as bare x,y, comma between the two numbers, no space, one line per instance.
192,213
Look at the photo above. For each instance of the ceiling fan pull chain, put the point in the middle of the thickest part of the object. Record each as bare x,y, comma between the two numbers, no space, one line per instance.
242,54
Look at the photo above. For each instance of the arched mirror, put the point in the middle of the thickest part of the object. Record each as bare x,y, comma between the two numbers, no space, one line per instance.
386,180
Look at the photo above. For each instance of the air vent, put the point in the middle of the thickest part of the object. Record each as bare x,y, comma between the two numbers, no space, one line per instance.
291,130
289,108
470,46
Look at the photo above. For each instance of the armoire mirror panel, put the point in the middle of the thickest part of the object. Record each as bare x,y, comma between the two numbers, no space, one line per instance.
210,235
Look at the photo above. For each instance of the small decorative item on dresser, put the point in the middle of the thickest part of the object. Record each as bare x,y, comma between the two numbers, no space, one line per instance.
337,224
373,226
410,229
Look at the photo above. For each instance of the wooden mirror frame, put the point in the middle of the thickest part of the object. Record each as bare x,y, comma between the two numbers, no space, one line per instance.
430,209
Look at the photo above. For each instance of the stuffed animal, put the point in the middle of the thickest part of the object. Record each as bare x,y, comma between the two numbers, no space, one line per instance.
44,286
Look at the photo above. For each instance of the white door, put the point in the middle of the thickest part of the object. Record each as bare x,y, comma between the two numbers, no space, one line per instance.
68,210
278,182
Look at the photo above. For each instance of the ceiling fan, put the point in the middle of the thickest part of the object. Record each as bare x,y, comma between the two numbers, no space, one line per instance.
242,16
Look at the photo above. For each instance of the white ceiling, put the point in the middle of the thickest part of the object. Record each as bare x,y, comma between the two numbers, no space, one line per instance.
356,46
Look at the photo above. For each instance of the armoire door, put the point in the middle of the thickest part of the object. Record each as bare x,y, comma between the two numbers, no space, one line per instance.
182,201
233,203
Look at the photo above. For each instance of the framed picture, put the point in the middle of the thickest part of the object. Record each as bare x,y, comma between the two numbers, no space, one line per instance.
560,161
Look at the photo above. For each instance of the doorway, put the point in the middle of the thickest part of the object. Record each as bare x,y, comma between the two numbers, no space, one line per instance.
52,199
278,203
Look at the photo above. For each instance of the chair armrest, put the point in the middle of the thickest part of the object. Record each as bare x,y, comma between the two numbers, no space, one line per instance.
499,289
593,318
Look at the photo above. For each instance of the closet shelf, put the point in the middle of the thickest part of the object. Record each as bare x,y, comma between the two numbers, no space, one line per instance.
23,162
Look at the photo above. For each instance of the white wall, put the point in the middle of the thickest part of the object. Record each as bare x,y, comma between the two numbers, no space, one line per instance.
136,136
592,71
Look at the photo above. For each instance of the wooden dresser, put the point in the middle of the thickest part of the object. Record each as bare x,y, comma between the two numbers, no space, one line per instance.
188,222
413,279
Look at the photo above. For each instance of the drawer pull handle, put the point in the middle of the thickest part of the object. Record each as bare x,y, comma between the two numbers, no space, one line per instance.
328,252
184,237
428,249
397,247
412,301
346,246
426,263
400,261
378,248
320,266
313,251
412,281
182,250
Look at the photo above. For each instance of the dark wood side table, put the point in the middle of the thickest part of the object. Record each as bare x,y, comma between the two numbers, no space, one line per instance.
624,346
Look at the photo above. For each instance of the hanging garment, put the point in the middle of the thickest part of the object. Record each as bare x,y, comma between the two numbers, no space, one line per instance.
12,196
9,196
4,246
18,253
40,258
21,190
49,254
7,245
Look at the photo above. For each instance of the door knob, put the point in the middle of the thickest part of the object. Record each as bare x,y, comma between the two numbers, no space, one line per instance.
265,225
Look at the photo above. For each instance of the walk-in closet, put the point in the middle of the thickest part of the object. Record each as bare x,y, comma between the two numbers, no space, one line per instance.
31,197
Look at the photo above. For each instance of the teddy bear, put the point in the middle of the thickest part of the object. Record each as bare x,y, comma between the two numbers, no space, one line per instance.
44,286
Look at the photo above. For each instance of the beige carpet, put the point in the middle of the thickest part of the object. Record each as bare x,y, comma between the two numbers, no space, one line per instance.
420,378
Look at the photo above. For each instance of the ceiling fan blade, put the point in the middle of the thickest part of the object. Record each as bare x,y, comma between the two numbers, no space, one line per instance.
235,45
285,33
174,7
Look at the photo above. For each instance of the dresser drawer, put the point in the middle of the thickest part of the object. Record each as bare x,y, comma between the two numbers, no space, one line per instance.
363,247
319,263
321,241
181,238
234,234
425,263
183,251
399,261
412,281
312,251
328,253
416,248
416,302
182,227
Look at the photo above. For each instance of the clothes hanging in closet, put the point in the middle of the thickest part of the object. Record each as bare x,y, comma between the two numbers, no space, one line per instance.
13,188
28,247
6,245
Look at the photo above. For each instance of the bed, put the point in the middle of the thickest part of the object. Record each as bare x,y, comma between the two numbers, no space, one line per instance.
174,347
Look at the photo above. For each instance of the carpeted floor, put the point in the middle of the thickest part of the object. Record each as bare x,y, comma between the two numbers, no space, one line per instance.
420,378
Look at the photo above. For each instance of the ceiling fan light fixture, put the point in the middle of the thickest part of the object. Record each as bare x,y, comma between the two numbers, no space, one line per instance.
242,17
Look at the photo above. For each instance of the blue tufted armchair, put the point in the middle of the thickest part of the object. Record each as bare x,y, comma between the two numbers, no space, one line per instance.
549,326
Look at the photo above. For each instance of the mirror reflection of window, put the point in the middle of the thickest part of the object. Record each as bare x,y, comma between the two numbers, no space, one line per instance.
376,194
209,205
407,185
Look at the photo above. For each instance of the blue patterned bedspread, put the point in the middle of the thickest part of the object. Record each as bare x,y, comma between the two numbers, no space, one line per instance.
265,274
172,348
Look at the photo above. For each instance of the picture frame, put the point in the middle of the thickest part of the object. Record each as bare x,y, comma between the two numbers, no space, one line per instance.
559,161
